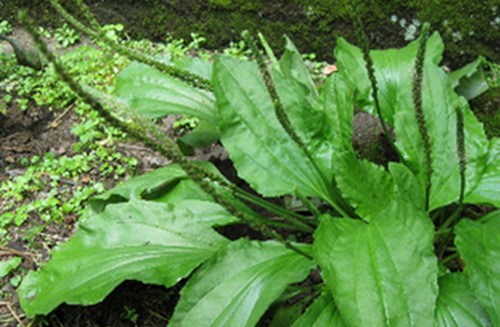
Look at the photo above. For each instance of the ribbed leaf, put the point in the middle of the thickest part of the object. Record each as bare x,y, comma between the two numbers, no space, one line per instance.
237,285
337,104
407,184
262,152
456,304
368,186
479,245
293,67
470,81
321,313
382,273
487,190
170,184
154,94
195,66
150,242
138,187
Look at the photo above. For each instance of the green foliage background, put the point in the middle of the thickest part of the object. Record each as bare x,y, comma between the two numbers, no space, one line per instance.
469,27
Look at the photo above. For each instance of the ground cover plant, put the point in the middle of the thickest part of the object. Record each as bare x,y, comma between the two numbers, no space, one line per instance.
396,245
56,152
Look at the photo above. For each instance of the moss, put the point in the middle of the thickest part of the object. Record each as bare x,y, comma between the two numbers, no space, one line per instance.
469,27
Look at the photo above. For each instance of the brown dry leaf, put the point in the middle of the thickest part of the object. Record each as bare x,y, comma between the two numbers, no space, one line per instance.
329,69
85,179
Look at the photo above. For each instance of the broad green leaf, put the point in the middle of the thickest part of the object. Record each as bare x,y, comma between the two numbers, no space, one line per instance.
154,94
202,136
477,149
262,152
321,313
145,241
382,273
195,66
487,190
293,67
456,304
138,187
337,104
479,245
407,184
237,285
368,186
470,80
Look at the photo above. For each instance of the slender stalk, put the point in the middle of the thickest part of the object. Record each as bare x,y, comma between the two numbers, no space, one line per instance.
183,75
452,219
269,51
312,208
462,158
292,217
140,128
360,31
339,203
449,258
417,102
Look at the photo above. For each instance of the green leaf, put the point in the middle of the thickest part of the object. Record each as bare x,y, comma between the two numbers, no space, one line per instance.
479,245
202,136
262,152
238,284
321,313
470,80
456,304
293,67
154,94
336,102
285,316
195,66
407,184
487,189
7,266
138,187
150,242
188,195
382,273
368,186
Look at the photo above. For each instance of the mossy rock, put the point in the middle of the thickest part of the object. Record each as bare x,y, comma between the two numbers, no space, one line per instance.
469,27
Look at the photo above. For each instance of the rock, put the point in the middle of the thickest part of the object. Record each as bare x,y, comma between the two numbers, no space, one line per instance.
370,141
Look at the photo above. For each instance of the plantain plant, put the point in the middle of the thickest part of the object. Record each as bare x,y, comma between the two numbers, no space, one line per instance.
396,245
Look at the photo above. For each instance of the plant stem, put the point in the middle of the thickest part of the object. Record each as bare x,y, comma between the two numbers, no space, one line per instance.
292,217
449,258
308,204
462,159
417,102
